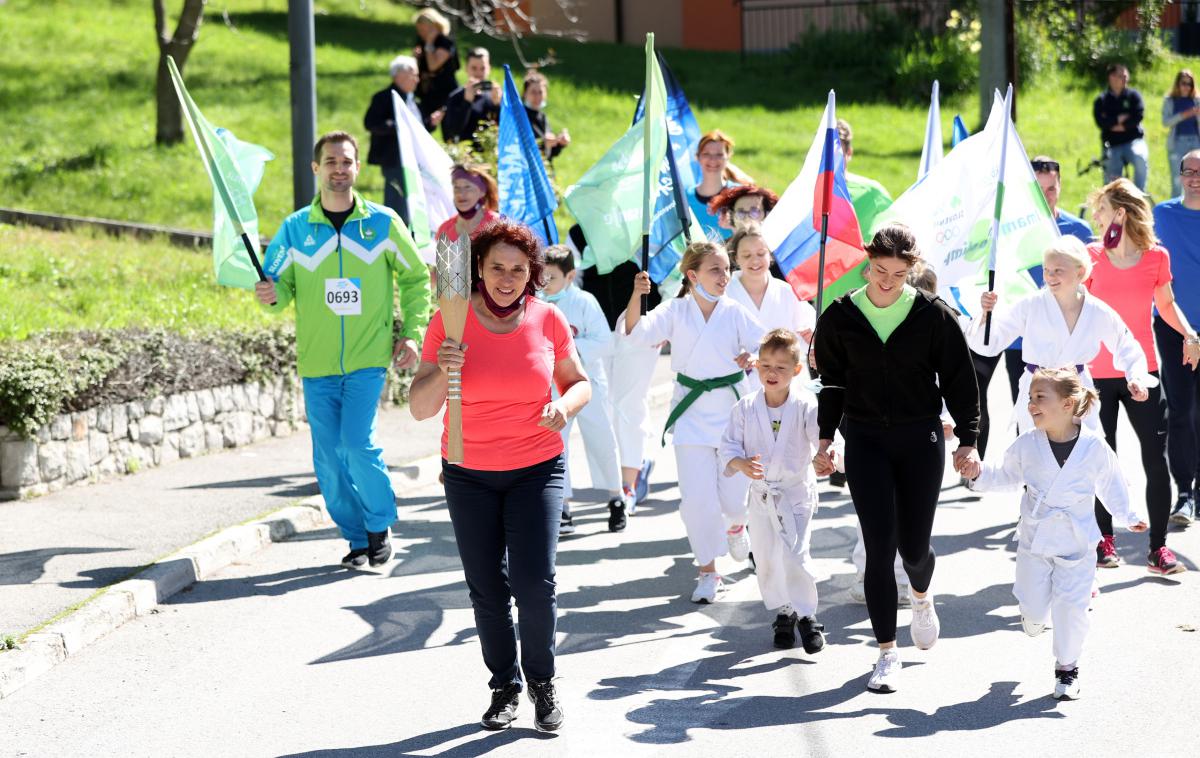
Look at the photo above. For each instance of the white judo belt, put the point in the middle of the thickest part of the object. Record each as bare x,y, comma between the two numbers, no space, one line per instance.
770,496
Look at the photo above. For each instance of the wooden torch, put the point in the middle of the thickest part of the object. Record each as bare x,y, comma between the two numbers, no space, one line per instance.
454,293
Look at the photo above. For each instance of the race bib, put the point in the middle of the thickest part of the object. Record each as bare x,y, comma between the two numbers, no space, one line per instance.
344,296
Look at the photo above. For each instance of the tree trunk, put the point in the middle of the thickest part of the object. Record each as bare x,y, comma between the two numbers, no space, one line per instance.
169,124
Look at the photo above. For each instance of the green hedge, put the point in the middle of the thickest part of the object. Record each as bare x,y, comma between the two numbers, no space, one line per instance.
55,372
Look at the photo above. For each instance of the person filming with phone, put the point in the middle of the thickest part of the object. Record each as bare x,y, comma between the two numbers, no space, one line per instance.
475,103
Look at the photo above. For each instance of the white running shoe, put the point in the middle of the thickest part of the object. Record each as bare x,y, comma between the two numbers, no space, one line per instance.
925,625
903,599
1066,684
708,584
1032,628
858,590
739,542
887,672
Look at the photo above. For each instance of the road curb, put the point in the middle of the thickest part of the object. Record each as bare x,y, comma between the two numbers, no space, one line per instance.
143,593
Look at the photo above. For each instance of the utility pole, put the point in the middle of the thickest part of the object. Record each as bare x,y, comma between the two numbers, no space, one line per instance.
303,72
998,54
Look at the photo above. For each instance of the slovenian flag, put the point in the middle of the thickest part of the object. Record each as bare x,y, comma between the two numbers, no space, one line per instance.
798,252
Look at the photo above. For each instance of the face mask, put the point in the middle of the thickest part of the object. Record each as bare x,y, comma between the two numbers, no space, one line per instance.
470,214
500,311
556,296
1112,236
699,288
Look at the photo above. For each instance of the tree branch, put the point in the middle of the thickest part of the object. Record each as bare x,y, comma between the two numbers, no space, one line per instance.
160,23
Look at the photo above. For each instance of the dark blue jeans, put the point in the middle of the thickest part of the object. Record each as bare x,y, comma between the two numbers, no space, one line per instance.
1181,385
506,526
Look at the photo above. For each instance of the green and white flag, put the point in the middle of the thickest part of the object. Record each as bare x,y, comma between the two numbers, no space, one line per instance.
970,199
235,169
427,187
609,201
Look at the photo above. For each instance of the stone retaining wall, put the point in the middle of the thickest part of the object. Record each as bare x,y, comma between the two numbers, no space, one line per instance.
83,447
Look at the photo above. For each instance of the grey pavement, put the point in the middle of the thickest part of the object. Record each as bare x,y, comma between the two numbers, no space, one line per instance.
58,550
287,655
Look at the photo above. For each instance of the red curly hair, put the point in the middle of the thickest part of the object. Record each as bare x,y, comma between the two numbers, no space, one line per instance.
504,231
725,199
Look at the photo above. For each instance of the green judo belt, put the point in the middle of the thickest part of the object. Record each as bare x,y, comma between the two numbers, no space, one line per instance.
696,388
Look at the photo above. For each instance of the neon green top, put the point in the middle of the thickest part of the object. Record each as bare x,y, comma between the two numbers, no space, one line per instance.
885,320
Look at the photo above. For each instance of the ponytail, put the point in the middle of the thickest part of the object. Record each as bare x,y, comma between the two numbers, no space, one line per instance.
1066,384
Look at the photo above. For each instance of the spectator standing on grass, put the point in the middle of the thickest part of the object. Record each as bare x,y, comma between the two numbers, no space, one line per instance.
1118,112
536,93
1181,116
341,260
437,60
1177,223
380,121
475,103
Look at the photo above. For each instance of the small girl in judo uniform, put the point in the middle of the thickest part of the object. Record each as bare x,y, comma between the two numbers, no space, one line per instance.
1064,466
772,438
712,338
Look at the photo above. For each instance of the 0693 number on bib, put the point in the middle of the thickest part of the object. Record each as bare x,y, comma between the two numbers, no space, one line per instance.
344,296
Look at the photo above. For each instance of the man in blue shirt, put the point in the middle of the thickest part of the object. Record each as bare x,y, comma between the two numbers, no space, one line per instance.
1049,178
1177,223
1118,112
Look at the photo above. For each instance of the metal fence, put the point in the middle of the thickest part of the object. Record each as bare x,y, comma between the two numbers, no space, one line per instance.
774,25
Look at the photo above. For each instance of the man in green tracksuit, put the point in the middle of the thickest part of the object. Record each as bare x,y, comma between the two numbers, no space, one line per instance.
337,260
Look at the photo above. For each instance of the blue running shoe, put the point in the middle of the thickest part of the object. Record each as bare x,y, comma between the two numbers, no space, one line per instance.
642,488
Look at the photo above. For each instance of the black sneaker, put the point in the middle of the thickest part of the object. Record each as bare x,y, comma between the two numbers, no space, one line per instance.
379,547
811,634
617,520
837,479
356,558
503,709
785,630
547,710
566,525
1066,684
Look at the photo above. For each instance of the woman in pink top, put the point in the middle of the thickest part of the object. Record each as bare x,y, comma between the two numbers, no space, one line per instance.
1132,273
506,498
476,199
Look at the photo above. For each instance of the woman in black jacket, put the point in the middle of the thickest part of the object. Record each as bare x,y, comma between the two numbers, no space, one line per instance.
887,355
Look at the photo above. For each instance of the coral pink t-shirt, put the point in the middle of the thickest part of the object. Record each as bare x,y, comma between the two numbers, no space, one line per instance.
1130,292
505,385
450,229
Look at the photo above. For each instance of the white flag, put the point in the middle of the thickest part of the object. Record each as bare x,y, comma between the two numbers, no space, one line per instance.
428,189
931,151
951,212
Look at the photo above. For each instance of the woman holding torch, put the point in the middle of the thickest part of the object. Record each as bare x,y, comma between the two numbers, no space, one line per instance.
505,495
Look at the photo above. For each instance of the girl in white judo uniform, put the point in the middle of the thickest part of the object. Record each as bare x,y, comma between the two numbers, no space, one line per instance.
594,342
1064,466
772,438
1062,326
772,301
712,338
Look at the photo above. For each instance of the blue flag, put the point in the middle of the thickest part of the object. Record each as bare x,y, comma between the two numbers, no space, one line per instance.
525,191
960,131
672,225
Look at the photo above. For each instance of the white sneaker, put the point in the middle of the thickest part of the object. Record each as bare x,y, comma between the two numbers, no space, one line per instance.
887,672
708,584
1066,684
858,590
1032,628
925,625
903,599
739,542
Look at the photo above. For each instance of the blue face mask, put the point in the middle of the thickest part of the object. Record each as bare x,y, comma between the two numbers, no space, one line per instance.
699,289
555,297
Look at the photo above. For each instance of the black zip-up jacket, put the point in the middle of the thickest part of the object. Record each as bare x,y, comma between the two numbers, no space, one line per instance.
1108,106
898,382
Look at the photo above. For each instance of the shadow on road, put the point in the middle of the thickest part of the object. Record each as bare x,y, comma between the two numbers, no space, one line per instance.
485,743
27,566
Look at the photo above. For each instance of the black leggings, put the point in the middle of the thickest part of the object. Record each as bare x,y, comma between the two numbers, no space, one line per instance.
1149,421
985,366
895,478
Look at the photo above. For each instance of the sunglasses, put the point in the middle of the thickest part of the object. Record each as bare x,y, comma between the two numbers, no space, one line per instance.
1042,167
755,214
